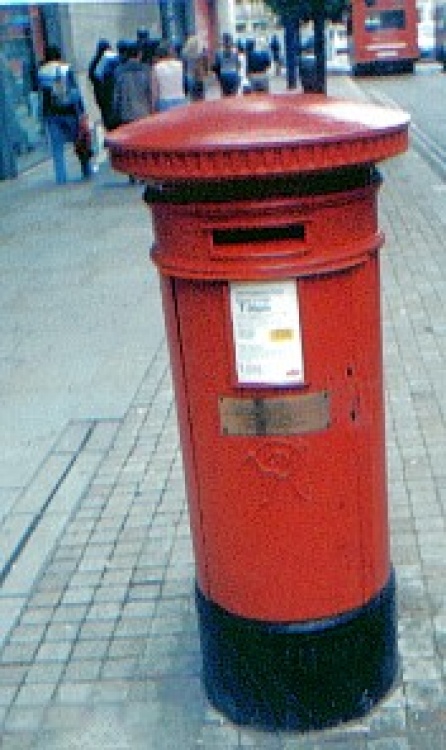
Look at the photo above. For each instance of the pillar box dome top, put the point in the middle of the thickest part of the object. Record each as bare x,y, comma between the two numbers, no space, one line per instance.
257,135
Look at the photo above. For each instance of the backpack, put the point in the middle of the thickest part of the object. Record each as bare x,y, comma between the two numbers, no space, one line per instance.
64,95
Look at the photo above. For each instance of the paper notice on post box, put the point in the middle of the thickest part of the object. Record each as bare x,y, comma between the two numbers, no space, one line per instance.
267,334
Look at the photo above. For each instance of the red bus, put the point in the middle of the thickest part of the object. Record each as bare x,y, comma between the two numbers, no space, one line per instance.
383,36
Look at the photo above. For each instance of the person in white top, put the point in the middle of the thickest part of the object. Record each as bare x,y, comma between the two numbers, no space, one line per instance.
167,79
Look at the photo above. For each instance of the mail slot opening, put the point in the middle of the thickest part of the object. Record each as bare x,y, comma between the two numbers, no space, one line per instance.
243,235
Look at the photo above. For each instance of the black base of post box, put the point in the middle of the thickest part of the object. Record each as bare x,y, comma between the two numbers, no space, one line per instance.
302,676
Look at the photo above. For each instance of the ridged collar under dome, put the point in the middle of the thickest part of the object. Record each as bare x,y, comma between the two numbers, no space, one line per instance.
257,135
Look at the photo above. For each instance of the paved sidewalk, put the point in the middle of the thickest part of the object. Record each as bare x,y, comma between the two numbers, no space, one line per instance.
98,635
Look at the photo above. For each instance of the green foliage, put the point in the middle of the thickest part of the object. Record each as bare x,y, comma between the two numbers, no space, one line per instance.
291,14
305,10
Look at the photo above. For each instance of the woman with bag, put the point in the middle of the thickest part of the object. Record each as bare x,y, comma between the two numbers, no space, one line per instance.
63,112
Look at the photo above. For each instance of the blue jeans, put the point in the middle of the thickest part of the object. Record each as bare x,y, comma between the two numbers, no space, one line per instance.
61,129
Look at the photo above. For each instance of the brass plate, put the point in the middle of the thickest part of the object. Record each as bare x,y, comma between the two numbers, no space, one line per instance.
285,415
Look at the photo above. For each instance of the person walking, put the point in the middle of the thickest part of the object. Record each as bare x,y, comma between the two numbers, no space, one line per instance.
63,111
196,68
132,94
258,63
227,67
275,52
132,90
167,79
101,76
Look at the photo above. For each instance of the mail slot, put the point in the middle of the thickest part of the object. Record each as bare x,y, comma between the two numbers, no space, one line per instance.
253,235
267,242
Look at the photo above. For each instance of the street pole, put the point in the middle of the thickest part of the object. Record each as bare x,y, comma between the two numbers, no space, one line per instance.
319,48
290,23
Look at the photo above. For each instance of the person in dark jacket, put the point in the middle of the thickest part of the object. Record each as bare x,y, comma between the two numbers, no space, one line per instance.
102,46
101,75
258,63
132,93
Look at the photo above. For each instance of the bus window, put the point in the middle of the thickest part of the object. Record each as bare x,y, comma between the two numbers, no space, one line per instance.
372,22
386,20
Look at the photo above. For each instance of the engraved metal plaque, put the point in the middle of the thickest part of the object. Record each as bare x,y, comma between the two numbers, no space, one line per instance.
284,415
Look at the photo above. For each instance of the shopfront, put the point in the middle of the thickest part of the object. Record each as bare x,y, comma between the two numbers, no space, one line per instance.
21,49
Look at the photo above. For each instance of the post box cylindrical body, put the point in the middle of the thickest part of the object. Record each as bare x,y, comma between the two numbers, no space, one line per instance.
268,254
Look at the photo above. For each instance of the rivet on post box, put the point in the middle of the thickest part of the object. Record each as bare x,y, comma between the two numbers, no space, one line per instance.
267,244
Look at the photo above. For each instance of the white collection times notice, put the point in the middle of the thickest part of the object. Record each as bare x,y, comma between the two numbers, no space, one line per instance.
267,333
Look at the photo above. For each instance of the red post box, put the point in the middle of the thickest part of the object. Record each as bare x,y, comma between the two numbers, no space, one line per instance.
267,244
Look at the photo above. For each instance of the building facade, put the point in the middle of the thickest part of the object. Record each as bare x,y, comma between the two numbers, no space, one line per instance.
22,36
